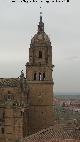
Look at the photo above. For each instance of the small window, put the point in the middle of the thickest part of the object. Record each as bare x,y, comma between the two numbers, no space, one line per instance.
3,115
40,76
40,54
44,76
21,113
2,130
8,92
9,97
34,76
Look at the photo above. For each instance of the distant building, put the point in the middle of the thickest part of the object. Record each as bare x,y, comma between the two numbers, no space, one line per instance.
26,104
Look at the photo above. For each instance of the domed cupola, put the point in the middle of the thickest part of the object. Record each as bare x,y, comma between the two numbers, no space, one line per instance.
41,38
40,51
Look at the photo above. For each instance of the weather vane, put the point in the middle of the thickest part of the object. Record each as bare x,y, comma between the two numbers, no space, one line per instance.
41,12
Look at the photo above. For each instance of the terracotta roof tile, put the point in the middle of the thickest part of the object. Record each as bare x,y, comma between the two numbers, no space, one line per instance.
52,133
9,82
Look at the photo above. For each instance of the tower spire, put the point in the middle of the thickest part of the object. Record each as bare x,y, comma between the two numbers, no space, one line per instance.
41,24
40,17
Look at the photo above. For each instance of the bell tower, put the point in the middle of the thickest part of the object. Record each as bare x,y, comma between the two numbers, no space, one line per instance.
40,81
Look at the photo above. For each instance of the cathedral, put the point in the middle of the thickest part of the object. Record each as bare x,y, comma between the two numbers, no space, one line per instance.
26,103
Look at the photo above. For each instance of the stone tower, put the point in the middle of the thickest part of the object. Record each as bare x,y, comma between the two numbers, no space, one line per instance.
39,78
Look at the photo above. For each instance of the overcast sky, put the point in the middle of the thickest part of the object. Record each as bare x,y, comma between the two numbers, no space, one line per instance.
18,24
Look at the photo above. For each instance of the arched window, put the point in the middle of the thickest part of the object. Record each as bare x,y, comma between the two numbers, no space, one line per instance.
40,76
44,76
40,54
34,76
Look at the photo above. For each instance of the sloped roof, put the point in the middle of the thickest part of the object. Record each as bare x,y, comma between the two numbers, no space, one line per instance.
9,82
52,133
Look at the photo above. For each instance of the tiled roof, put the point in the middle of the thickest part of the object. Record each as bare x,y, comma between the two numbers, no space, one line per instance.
53,133
9,82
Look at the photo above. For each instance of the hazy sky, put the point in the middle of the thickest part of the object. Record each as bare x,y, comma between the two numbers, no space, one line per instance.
18,24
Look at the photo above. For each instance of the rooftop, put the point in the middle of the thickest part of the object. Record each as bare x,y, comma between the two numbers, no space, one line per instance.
54,132
9,82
